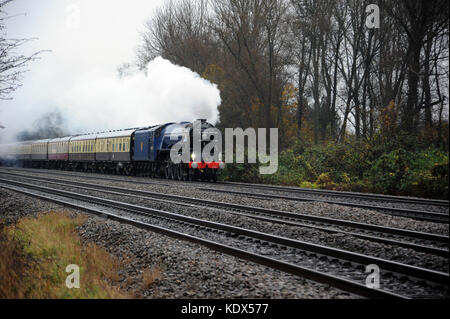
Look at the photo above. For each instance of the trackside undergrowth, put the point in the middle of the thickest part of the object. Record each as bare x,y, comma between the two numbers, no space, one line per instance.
35,252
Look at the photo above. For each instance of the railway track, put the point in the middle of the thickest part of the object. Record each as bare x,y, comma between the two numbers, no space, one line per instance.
410,213
438,217
339,268
419,241
341,194
96,176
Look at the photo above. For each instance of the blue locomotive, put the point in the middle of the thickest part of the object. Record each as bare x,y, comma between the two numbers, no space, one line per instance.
137,151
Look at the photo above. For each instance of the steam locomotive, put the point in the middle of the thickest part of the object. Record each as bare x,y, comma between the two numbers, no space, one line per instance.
137,151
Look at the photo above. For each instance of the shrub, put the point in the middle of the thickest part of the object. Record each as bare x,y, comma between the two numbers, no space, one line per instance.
397,167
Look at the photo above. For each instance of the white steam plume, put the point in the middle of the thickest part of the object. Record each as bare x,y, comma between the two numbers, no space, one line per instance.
164,93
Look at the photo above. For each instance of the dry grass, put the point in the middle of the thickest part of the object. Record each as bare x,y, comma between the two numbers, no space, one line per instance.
151,276
35,252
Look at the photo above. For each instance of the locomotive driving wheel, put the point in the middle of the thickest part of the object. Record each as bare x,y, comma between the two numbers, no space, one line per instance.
190,175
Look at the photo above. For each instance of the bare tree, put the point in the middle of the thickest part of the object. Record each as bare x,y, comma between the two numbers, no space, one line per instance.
12,65
253,33
422,21
347,77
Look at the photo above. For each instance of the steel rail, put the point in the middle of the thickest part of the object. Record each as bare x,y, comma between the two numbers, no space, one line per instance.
386,265
290,216
317,276
320,192
326,192
90,176
423,215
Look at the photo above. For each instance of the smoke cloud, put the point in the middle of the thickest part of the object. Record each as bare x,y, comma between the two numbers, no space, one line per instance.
99,100
163,93
50,125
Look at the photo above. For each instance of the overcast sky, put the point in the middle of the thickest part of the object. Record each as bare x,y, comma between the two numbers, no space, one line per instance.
79,75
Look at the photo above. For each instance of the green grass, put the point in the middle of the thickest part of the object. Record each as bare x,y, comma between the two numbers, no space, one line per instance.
34,254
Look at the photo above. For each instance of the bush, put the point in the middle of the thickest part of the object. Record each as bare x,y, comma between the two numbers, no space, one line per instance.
397,167
422,173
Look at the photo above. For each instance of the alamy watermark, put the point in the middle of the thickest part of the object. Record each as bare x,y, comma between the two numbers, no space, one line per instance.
211,139
373,279
373,17
73,15
73,279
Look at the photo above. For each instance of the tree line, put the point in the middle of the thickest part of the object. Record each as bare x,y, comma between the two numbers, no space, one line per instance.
313,68
12,64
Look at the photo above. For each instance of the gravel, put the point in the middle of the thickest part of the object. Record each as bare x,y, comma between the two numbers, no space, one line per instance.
336,198
187,270
337,240
310,208
398,254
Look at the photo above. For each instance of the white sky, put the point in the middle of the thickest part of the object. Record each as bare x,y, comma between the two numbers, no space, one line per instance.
79,75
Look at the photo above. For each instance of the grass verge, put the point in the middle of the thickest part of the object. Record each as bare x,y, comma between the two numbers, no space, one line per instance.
35,252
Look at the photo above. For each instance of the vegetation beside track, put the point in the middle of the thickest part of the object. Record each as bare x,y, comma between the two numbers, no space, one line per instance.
35,252
395,167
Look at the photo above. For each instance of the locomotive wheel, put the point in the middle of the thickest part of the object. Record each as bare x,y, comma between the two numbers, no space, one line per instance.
179,173
174,173
190,175
167,172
